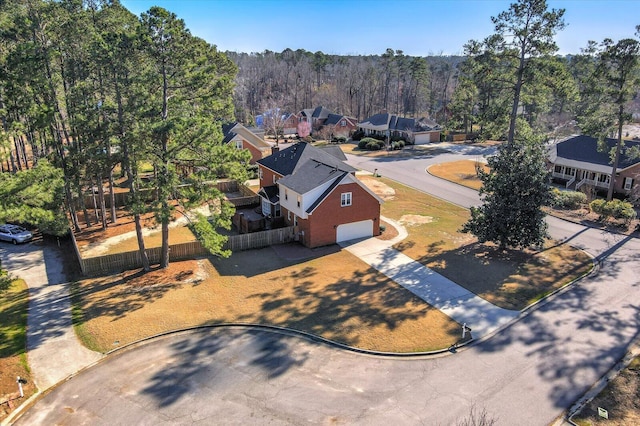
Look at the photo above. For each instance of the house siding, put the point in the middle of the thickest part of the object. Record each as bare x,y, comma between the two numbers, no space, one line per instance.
256,154
633,173
320,228
267,176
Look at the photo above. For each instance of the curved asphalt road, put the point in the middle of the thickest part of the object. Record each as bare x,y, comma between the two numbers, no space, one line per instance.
528,374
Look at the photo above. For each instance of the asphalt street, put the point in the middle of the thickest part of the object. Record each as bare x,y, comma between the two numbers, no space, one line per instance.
527,374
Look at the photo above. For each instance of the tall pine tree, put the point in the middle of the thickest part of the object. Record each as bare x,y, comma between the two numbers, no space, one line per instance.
516,186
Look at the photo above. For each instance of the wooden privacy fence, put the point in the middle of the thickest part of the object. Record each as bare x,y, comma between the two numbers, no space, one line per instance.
261,239
130,260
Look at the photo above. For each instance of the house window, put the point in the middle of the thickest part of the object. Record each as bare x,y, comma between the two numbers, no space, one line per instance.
558,169
239,144
275,178
286,195
288,216
295,220
343,123
603,178
345,199
299,200
628,183
260,173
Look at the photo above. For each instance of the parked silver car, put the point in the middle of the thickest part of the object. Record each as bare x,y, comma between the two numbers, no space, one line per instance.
14,234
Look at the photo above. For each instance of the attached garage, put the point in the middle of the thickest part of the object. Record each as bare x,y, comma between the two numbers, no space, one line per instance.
354,230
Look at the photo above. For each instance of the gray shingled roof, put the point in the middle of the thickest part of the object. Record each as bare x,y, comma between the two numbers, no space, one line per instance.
320,112
287,161
585,148
310,175
228,134
333,119
271,193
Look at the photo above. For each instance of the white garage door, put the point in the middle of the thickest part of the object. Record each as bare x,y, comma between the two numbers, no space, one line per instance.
354,230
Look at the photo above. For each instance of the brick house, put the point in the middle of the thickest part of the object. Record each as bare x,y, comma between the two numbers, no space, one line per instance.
340,125
577,161
315,116
416,131
243,138
315,190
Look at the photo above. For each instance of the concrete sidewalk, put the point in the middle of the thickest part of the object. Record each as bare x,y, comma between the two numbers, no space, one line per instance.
457,302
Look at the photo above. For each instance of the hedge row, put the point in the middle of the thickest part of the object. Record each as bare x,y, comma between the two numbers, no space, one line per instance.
567,199
615,208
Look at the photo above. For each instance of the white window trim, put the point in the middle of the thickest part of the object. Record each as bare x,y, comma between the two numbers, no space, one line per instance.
289,215
345,199
628,183
295,220
239,144
260,174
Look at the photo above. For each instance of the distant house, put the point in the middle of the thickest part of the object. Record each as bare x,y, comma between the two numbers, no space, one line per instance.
340,125
315,116
417,131
243,138
319,193
576,161
289,124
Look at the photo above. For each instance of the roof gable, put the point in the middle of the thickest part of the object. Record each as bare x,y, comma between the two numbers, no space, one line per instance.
231,130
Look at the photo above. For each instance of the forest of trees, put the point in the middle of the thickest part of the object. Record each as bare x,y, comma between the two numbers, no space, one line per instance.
90,93
97,93
356,86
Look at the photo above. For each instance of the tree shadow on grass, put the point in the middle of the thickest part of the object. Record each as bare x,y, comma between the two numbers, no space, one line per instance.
342,310
132,291
510,279
250,263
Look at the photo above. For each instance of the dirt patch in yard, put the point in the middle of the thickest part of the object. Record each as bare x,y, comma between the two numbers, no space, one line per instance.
335,296
415,219
380,188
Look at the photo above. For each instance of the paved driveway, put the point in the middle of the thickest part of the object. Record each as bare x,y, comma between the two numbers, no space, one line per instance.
526,375
53,350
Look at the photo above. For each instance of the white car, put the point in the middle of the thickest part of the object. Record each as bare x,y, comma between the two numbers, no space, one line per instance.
14,234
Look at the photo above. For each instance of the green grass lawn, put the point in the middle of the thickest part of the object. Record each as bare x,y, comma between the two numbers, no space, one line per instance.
13,342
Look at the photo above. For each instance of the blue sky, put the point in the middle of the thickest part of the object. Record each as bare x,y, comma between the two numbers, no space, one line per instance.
417,27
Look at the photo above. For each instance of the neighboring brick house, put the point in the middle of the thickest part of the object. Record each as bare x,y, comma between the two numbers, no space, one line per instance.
319,193
340,125
315,116
576,161
243,138
414,131
289,124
